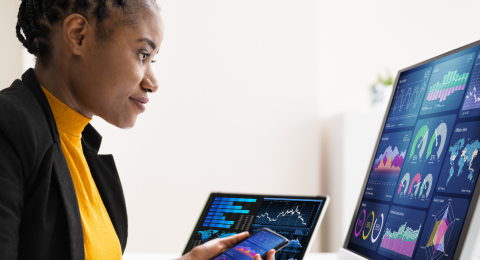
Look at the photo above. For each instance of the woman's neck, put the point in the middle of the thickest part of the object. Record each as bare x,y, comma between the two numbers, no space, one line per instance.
50,77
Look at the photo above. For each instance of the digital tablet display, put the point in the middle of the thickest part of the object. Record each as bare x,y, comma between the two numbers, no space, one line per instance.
424,173
295,218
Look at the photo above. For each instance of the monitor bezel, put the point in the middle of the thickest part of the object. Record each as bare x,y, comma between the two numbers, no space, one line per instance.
475,197
315,226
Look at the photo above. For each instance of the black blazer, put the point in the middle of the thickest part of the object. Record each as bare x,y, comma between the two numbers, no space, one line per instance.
39,212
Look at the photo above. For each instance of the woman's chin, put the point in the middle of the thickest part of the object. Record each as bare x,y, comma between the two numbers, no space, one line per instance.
123,123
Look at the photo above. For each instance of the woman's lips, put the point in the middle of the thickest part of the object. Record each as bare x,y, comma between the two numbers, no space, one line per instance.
139,102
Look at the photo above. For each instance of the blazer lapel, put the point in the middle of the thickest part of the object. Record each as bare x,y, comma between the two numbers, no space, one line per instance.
67,189
60,167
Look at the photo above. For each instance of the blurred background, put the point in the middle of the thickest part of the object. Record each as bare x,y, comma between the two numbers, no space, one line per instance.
275,97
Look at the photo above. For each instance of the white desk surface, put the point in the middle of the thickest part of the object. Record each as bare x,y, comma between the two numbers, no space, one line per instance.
169,256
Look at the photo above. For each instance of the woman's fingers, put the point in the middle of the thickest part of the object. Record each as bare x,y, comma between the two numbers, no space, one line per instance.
215,247
231,241
257,257
271,255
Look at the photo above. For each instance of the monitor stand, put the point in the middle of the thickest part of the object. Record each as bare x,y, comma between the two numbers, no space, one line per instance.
344,254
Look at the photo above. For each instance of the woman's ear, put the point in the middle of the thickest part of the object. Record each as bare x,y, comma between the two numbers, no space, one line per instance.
75,30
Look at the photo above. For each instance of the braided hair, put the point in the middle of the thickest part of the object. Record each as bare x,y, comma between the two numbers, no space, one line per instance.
36,18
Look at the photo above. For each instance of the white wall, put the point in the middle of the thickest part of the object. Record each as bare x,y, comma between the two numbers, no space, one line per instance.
10,47
236,112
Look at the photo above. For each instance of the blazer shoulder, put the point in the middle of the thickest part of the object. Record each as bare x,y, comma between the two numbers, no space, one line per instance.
23,123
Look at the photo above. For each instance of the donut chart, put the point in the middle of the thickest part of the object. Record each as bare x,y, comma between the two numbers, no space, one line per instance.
440,131
404,184
416,180
360,223
378,229
368,225
370,222
415,189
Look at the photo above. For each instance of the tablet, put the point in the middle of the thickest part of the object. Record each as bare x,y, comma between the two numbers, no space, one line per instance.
420,191
294,217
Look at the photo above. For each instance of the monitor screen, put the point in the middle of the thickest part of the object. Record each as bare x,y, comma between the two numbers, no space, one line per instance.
295,218
423,176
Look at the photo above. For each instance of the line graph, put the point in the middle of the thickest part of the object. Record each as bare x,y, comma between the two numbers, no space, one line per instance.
409,94
287,213
404,96
295,245
472,98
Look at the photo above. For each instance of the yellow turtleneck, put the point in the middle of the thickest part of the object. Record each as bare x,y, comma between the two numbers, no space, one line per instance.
101,241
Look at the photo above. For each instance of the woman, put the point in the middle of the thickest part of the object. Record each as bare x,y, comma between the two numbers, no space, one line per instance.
59,199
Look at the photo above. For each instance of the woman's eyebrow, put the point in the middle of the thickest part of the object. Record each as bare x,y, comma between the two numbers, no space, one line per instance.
150,42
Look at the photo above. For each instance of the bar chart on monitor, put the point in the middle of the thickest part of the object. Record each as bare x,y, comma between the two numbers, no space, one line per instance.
447,84
402,233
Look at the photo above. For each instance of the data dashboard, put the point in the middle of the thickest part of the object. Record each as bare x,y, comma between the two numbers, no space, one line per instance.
227,214
424,171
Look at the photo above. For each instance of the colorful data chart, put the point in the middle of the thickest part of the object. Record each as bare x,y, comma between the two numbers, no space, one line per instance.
291,213
370,222
223,208
386,168
247,251
460,171
442,228
401,233
471,103
447,84
430,139
408,99
296,245
415,185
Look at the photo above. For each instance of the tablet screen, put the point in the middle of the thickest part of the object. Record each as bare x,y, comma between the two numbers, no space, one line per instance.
295,218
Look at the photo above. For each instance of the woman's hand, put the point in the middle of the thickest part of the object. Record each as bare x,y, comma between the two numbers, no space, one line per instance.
215,247
270,255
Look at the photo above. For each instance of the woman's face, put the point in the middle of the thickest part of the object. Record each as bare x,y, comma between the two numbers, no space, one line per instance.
112,80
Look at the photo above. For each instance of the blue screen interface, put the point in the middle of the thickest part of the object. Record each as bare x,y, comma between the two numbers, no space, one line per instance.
426,164
229,214
260,243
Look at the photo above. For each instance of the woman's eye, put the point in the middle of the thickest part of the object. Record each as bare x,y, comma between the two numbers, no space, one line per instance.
143,56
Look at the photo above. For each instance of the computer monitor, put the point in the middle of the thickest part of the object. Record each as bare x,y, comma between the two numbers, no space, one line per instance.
420,193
